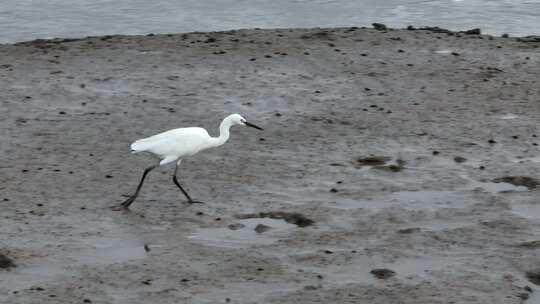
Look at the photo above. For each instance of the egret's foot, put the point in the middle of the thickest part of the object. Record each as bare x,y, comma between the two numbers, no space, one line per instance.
119,208
194,202
125,205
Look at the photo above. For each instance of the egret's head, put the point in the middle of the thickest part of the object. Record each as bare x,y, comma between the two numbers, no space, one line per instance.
237,119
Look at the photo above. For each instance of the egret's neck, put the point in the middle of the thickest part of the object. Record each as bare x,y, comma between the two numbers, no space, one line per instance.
223,133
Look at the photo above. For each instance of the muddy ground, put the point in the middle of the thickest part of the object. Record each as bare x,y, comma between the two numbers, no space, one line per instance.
414,153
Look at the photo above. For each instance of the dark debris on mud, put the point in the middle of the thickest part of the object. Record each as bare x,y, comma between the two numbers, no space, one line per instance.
6,262
379,163
529,244
371,161
533,276
397,167
383,273
261,228
526,181
295,218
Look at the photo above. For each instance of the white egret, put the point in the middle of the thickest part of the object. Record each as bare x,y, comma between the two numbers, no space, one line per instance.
175,144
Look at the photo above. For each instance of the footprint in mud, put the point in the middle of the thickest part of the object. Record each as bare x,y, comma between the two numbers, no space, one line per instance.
295,218
380,163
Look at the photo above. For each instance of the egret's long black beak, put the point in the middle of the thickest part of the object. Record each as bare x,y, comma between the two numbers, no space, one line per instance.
253,126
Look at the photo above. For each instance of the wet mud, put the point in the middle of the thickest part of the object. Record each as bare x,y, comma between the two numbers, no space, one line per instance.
413,152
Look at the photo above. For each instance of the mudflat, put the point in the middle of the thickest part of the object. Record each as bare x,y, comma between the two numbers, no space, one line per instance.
396,166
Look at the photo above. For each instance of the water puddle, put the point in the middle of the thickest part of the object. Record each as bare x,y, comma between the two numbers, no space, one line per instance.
414,200
530,211
534,297
412,269
494,187
535,159
109,251
444,52
243,293
245,235
435,198
60,264
351,204
444,225
89,243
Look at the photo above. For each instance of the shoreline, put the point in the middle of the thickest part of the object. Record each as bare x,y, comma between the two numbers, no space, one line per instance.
381,26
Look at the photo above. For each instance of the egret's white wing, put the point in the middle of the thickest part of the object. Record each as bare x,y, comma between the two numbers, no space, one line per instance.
176,142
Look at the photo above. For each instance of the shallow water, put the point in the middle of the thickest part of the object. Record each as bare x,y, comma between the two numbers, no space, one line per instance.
410,269
28,19
244,236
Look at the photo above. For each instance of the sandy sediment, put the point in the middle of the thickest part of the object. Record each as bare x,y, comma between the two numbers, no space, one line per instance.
413,152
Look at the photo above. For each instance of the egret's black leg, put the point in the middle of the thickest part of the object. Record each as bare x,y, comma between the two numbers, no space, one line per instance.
131,199
175,180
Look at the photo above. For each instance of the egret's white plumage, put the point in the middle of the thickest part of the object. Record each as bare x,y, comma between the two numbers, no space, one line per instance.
175,144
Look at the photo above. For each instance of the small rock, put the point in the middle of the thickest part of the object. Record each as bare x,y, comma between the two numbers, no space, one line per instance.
533,276
261,228
371,161
460,159
383,273
379,26
475,31
409,230
6,262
